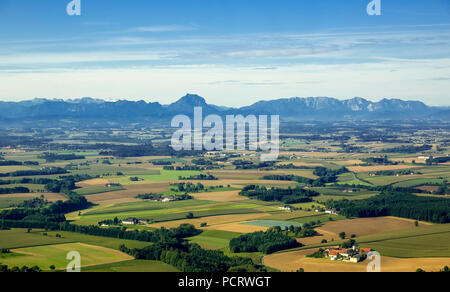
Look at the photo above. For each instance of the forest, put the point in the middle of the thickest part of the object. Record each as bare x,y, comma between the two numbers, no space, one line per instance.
429,209
287,196
266,242
191,258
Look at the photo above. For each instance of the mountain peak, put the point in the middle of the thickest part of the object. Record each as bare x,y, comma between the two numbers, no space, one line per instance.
192,100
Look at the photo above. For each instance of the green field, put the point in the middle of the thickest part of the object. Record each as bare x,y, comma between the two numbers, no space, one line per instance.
17,238
272,223
45,256
7,202
157,176
134,266
98,190
420,246
426,241
214,239
172,160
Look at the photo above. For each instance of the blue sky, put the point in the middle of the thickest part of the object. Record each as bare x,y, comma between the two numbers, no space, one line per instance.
232,52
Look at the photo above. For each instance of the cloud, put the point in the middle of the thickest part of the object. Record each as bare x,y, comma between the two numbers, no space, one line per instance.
230,69
231,85
162,28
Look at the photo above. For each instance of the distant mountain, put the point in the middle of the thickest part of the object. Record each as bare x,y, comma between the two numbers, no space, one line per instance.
98,111
326,108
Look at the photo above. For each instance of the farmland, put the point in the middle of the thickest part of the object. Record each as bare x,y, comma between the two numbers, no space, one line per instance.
45,256
205,191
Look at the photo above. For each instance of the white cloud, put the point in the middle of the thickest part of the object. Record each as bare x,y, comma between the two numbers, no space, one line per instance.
393,79
163,28
231,70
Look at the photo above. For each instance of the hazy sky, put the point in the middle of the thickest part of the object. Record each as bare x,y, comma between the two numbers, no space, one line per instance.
232,52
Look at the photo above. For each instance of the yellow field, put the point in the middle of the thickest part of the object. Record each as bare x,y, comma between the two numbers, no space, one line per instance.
93,182
12,168
366,226
328,236
292,261
219,196
301,164
408,160
214,222
239,227
349,162
127,195
379,168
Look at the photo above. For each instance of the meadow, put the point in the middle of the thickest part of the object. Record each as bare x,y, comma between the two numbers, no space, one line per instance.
55,255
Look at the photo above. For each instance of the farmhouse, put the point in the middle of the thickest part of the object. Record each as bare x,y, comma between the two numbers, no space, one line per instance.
332,212
352,255
167,199
285,208
130,221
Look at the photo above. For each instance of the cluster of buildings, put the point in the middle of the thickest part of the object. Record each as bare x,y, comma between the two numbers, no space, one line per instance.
135,221
332,212
352,255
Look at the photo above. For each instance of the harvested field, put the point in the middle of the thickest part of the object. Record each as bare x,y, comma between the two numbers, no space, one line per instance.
349,162
379,168
12,168
219,196
211,221
428,188
366,226
93,182
315,154
408,160
127,195
301,164
242,174
328,236
292,261
237,227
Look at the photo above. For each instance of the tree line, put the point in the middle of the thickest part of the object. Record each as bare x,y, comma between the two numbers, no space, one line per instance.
191,258
405,205
51,157
43,171
287,196
199,177
15,163
266,242
325,176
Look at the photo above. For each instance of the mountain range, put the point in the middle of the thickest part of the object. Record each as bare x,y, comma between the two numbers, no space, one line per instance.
290,109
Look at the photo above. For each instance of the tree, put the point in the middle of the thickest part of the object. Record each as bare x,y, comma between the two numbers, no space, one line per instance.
348,244
342,235
416,223
442,189
52,267
190,215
